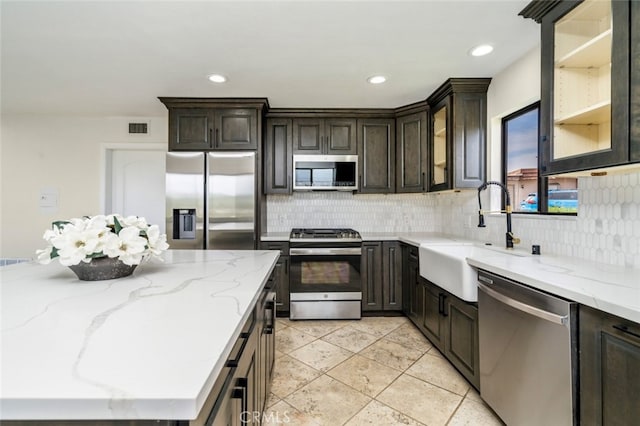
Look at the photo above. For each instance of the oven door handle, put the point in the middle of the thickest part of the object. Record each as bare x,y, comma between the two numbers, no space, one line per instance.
325,251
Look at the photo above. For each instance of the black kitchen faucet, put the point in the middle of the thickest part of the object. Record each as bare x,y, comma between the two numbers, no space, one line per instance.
510,239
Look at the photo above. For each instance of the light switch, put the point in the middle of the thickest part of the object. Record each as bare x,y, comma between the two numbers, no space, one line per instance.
48,200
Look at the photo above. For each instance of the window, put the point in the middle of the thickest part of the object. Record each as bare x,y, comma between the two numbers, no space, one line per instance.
529,192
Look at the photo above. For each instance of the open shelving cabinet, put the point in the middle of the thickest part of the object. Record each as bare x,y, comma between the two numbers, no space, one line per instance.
582,80
586,83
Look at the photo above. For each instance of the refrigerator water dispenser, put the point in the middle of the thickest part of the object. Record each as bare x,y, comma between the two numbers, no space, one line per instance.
184,224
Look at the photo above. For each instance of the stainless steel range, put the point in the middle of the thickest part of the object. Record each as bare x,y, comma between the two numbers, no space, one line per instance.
325,280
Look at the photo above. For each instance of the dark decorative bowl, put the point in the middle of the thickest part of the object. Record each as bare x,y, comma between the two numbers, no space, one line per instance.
102,268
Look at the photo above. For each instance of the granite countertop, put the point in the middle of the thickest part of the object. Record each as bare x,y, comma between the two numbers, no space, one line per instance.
148,346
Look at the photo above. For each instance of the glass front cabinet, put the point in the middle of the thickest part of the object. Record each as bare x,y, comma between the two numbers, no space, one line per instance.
439,164
457,142
586,79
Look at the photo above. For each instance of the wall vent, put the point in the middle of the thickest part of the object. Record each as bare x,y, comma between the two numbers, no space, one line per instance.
137,127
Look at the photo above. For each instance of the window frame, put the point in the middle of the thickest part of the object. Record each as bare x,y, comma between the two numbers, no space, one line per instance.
543,181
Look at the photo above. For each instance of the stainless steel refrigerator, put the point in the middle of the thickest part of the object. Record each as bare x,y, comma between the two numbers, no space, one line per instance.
210,200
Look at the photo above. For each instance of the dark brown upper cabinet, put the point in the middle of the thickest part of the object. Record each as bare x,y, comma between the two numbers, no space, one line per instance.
457,144
236,129
634,109
324,136
411,148
590,91
376,155
209,124
277,156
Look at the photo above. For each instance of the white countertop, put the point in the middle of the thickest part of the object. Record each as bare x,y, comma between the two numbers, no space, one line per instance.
609,288
413,238
275,236
148,346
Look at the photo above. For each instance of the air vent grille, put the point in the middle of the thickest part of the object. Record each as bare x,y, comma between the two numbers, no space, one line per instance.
137,127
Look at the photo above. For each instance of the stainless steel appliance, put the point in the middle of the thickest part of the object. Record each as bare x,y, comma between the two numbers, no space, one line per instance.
325,172
528,364
210,200
324,278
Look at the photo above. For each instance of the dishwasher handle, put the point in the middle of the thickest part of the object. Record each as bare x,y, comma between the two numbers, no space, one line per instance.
516,304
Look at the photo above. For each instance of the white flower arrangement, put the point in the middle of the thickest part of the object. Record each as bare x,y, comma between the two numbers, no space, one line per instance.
77,240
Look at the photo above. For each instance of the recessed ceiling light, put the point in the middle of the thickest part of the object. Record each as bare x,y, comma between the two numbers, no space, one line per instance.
483,49
217,78
377,79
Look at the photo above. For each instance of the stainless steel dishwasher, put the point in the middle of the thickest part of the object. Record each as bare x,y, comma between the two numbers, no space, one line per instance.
528,366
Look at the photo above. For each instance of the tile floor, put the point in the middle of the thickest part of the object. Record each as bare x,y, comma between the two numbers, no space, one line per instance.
375,371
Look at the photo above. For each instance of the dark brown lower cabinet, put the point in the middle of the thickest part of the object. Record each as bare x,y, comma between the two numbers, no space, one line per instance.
432,318
249,367
266,312
451,324
609,357
237,398
392,278
381,271
282,286
406,293
461,345
411,286
371,273
281,275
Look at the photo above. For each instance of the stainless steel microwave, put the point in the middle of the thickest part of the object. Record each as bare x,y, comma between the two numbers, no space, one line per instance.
325,172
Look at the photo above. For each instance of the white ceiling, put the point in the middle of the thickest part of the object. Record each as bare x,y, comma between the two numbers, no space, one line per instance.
116,58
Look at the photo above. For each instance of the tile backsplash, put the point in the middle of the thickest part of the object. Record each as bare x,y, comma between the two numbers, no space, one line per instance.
606,230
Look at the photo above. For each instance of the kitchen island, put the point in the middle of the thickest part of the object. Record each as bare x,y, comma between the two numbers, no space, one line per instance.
150,346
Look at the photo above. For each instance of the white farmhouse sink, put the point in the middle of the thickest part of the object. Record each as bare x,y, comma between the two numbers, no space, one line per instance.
446,266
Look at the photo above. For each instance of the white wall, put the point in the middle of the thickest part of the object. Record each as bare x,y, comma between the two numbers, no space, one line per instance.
57,153
514,88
